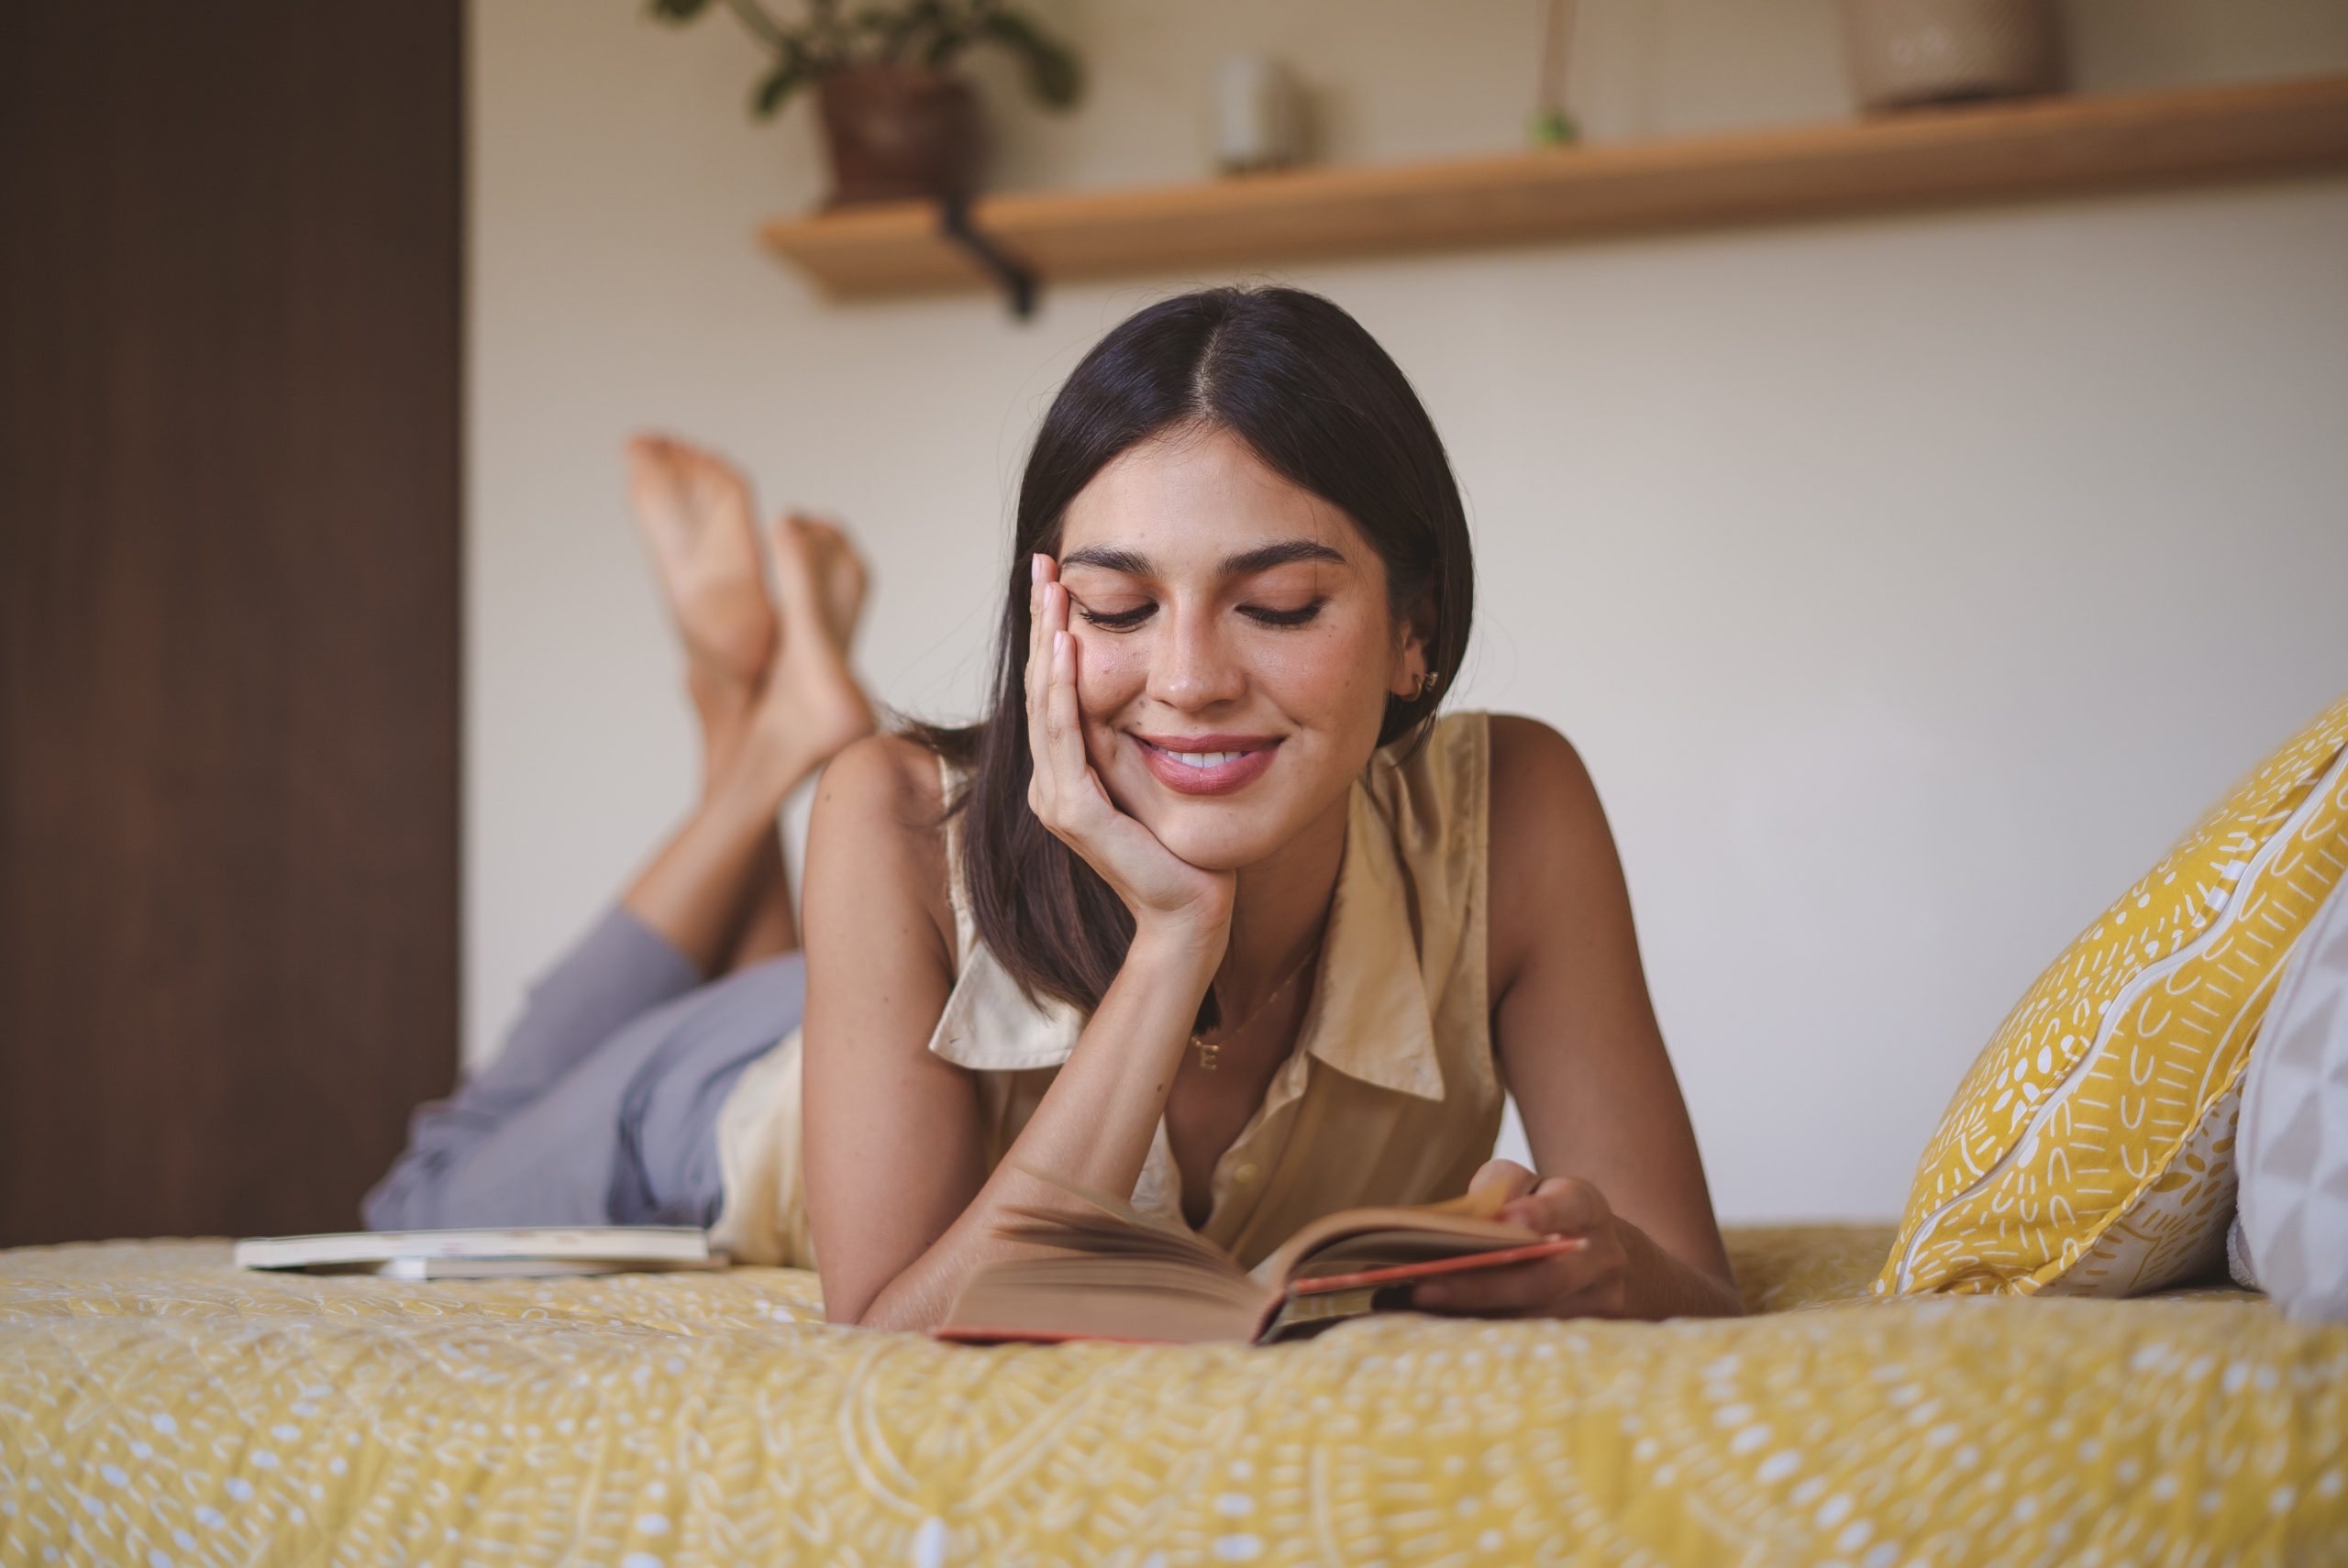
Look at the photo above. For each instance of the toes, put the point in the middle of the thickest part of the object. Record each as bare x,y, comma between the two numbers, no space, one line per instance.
833,550
651,457
646,456
716,478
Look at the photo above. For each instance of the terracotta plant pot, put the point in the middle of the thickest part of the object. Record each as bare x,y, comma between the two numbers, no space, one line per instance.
1908,53
899,133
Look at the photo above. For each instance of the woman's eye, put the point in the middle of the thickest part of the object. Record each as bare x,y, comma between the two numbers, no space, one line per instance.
1117,620
1269,617
1263,615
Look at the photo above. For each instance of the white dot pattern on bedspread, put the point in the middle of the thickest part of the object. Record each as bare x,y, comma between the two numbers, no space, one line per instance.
162,1409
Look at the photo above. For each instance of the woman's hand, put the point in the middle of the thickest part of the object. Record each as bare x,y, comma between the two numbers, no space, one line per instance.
1068,797
1591,1282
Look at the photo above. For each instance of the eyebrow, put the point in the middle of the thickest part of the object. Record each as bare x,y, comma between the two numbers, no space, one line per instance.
1108,557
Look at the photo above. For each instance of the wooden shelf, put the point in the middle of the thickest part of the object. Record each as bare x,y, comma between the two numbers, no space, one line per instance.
1987,153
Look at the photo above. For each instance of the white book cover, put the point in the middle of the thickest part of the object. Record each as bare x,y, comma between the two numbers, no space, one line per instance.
604,1248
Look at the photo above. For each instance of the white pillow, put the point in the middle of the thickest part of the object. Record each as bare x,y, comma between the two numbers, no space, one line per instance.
2290,1232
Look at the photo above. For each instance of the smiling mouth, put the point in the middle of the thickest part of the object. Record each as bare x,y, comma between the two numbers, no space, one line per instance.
1207,765
1197,759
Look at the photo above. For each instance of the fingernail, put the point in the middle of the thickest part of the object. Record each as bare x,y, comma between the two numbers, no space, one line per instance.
1036,568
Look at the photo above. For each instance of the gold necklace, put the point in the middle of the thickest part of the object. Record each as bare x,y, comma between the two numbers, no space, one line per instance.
1209,1049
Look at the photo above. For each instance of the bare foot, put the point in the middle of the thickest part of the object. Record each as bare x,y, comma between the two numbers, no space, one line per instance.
839,576
811,697
694,510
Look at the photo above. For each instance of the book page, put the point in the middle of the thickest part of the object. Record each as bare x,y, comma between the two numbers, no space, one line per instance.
1127,1230
1463,1220
1088,1298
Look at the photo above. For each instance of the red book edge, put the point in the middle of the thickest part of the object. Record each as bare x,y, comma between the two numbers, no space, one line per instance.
1322,1283
971,1336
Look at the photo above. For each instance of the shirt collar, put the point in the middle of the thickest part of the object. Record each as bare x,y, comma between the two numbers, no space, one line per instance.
1369,1018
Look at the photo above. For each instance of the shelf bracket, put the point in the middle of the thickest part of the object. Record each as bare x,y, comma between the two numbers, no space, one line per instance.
1018,283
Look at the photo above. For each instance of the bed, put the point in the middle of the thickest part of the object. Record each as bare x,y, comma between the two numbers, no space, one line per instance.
159,1408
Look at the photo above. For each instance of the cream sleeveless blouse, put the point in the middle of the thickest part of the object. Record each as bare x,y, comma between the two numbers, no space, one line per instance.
1392,1094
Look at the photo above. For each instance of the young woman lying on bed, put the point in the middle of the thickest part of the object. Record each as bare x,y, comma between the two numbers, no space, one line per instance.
1201,910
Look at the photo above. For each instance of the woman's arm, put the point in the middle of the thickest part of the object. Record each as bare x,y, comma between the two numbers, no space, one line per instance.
1583,1056
899,1196
898,1192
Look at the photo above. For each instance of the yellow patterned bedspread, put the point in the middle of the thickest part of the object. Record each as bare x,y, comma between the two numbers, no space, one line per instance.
158,1407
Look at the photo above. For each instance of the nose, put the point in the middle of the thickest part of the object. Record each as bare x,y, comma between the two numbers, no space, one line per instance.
1193,666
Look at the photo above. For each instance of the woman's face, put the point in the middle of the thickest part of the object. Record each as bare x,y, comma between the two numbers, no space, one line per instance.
1234,645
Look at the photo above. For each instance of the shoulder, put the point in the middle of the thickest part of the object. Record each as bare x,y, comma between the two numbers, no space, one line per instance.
895,770
1546,811
1536,774
1523,772
880,822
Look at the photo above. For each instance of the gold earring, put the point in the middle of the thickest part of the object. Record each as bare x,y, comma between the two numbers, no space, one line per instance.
1424,684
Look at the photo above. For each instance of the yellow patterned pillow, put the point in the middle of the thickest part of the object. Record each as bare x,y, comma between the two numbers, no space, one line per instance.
2090,1150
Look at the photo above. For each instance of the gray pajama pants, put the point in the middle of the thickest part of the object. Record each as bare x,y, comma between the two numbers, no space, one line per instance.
602,1109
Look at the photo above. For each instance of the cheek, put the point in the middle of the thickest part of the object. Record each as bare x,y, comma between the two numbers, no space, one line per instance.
1109,672
1338,674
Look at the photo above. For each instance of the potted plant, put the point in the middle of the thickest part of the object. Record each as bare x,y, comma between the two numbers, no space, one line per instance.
899,122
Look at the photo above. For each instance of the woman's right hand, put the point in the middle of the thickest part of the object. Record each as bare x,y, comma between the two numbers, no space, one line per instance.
1164,892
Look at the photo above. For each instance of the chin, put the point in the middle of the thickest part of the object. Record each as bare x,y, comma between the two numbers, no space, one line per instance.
1215,836
1234,829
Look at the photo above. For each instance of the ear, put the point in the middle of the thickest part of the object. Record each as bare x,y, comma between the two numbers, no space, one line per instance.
1412,653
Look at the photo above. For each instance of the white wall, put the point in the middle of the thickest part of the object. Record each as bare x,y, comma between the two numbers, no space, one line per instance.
1908,583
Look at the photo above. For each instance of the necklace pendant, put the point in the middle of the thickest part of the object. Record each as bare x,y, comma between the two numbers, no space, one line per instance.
1208,1050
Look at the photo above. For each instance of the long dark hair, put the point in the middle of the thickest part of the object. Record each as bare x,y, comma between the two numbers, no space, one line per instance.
1322,405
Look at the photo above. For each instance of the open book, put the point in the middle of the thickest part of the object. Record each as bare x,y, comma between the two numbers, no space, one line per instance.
524,1250
1112,1272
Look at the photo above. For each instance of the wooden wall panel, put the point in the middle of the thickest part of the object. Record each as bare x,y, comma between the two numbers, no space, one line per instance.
230,319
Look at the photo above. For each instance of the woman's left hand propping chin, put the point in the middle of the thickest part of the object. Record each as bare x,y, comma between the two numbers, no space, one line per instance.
1588,1281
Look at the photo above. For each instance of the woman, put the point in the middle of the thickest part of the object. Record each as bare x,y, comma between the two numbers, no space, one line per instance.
1202,908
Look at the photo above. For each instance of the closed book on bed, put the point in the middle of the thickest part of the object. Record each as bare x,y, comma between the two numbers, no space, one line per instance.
494,1253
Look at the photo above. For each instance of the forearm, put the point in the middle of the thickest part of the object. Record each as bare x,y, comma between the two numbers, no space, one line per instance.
1658,1285
1093,1127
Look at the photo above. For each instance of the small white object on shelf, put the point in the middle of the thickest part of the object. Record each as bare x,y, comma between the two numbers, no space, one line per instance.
1259,122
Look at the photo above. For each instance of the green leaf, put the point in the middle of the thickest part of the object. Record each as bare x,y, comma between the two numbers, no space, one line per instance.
1057,80
1053,74
923,19
779,84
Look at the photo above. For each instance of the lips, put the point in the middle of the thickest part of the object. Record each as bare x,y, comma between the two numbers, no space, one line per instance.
1208,764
